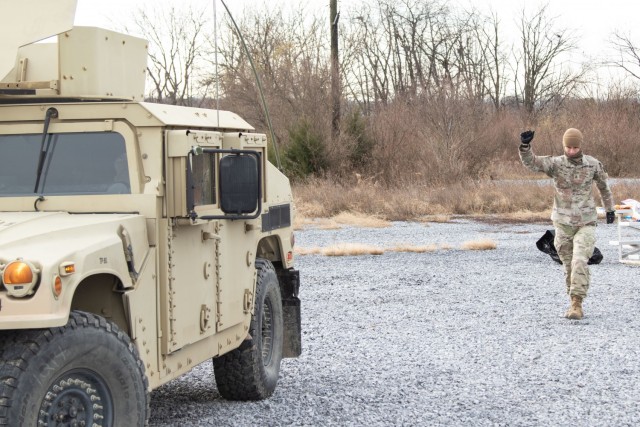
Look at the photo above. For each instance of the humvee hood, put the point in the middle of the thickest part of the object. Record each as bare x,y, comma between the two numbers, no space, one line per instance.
49,235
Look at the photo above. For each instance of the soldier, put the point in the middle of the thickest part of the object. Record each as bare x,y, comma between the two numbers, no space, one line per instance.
574,210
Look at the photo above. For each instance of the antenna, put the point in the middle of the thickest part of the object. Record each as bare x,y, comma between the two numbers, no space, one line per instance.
259,82
215,54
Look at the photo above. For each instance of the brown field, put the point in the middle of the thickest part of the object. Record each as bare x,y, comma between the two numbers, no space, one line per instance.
371,205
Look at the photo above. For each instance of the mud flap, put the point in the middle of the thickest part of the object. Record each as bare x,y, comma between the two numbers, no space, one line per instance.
292,345
545,244
289,288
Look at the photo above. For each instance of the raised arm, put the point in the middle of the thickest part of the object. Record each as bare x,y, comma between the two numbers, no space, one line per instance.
535,163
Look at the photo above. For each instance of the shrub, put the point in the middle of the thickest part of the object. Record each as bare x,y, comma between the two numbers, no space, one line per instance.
306,153
360,144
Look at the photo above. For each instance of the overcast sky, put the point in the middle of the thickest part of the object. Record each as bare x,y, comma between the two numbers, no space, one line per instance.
593,21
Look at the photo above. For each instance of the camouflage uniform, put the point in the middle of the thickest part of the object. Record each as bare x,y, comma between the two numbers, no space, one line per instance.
574,210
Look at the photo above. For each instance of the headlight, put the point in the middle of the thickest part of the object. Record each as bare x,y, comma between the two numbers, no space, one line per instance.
20,278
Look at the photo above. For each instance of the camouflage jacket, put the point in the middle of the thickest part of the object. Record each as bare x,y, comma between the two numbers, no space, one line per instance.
573,202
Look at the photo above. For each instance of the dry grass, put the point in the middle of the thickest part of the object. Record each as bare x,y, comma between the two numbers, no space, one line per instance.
353,219
418,202
412,248
355,249
326,199
358,219
479,245
528,216
368,204
625,191
327,224
308,251
351,249
524,217
435,218
300,221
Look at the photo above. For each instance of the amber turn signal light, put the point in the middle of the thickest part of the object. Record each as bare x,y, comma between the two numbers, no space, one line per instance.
67,268
57,286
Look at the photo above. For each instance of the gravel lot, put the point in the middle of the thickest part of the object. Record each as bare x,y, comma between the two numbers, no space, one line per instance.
451,337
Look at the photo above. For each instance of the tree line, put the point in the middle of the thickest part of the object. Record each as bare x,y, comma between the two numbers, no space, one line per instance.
428,92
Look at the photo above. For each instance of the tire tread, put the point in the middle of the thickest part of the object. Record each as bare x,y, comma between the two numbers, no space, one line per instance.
236,372
17,347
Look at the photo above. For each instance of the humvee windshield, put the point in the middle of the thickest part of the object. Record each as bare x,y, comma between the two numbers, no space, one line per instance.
75,163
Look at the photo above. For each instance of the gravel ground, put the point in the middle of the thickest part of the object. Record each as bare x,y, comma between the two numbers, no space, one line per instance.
451,337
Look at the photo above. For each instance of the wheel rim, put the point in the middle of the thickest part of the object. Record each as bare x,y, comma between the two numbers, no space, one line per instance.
267,332
79,398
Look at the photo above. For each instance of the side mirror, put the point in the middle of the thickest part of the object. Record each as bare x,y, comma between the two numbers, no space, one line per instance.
239,184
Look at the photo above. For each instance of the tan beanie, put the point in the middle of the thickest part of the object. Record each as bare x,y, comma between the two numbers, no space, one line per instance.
572,138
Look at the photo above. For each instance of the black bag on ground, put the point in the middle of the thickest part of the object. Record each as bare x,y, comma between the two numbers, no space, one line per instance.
545,244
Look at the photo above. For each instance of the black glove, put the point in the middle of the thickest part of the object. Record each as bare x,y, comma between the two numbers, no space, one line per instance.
611,216
526,137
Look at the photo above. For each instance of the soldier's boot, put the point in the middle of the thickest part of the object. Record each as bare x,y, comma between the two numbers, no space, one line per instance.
575,311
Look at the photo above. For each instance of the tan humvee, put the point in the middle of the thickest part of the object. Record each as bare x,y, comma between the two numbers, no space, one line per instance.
137,240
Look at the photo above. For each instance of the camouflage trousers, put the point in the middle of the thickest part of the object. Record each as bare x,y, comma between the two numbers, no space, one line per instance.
575,247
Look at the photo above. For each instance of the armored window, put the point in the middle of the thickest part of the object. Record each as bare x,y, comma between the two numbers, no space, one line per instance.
203,179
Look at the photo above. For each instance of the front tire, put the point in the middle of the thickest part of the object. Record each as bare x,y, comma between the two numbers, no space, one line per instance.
85,373
251,371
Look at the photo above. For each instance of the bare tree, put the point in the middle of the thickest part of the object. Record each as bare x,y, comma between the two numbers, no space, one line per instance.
367,59
414,48
336,92
290,53
176,39
471,58
494,59
629,54
541,75
401,49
